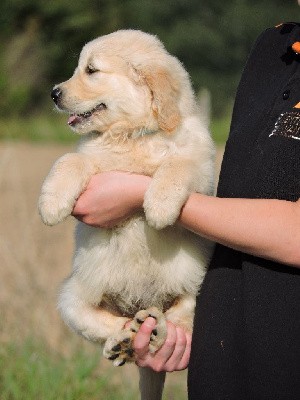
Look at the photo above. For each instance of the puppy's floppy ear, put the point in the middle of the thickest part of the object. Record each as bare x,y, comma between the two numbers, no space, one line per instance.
165,97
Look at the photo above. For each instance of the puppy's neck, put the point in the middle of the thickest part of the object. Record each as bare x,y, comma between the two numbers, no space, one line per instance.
121,132
144,132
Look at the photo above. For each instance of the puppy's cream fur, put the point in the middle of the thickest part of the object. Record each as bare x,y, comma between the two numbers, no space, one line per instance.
150,125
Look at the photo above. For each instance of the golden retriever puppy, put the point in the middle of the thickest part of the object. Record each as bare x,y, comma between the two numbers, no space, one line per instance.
133,104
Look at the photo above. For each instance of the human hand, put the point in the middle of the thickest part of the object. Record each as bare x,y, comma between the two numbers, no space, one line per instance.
174,354
111,197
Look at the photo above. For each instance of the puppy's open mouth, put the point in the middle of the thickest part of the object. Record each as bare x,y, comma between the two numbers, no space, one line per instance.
78,118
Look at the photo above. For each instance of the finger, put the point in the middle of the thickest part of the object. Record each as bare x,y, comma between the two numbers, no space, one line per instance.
184,362
79,208
179,349
142,338
76,212
167,349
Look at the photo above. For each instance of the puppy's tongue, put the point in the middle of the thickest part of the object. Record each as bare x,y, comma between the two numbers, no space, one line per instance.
74,119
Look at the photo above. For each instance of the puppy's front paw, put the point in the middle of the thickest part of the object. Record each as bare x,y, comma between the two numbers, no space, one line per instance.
54,209
160,214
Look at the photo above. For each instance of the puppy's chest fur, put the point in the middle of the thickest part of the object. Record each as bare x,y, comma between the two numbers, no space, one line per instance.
134,266
141,155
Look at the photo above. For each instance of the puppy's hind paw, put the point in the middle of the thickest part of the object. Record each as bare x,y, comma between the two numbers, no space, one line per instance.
119,348
159,333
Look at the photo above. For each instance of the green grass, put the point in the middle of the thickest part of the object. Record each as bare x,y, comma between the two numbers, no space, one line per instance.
54,128
40,128
31,372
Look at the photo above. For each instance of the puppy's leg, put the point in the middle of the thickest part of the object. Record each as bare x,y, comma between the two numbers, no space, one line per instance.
95,323
62,187
171,185
182,312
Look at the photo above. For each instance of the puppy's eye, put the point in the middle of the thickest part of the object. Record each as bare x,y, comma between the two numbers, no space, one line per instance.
90,69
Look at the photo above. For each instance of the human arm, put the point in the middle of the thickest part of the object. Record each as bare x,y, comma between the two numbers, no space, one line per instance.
267,228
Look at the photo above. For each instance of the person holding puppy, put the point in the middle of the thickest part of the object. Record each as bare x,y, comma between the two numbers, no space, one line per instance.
247,321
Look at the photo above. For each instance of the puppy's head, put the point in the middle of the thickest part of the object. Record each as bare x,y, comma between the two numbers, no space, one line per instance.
125,81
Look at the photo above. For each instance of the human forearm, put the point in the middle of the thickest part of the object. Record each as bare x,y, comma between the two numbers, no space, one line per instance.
261,227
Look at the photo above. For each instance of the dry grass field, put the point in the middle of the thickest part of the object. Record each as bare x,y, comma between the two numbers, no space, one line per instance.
34,259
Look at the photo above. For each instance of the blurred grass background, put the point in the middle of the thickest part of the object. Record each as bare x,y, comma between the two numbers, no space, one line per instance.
31,372
39,46
45,128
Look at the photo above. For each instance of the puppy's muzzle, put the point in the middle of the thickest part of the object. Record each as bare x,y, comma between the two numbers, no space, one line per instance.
56,95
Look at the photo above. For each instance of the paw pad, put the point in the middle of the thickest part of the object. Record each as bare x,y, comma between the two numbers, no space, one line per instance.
119,348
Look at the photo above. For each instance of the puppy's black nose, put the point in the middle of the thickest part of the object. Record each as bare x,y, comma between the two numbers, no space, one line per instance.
56,94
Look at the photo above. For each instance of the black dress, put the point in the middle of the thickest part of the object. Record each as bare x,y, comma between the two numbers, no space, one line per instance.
246,341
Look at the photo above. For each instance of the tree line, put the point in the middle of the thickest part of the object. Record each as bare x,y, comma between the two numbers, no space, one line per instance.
40,41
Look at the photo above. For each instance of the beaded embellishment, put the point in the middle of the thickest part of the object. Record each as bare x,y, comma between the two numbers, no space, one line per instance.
288,125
